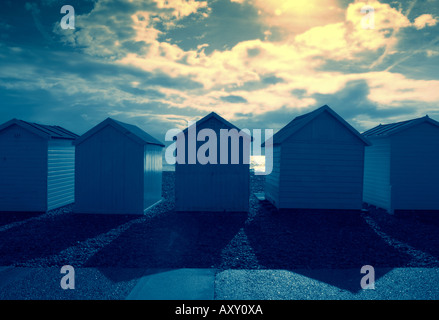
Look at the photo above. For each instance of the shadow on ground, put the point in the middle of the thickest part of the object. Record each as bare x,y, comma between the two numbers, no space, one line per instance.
13,217
417,229
172,240
304,240
39,239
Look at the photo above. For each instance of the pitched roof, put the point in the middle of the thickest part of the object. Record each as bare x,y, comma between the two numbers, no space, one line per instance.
384,130
146,137
220,119
300,121
44,131
129,130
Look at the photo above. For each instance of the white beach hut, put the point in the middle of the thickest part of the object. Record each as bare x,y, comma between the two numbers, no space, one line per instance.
118,169
401,168
220,185
317,164
37,164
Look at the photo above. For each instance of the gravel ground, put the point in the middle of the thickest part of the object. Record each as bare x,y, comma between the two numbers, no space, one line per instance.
261,239
326,284
90,284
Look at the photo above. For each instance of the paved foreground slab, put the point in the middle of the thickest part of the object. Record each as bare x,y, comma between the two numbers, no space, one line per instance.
179,284
208,284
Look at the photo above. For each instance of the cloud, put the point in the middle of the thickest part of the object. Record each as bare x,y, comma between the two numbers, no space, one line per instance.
424,20
260,76
143,27
295,17
143,63
390,89
113,28
355,103
431,53
70,86
181,8
348,39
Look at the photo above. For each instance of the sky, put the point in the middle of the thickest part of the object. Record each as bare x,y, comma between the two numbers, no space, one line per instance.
160,63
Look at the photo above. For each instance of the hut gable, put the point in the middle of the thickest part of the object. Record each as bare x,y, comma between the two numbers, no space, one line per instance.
37,169
217,124
131,131
43,131
212,121
401,165
317,163
218,186
390,129
118,169
321,124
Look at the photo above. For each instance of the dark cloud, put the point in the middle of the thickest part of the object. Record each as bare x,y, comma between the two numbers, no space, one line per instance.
271,79
41,106
300,93
31,21
233,99
154,117
78,91
16,105
352,101
275,119
58,65
138,47
165,80
253,52
147,93
359,65
228,24
264,82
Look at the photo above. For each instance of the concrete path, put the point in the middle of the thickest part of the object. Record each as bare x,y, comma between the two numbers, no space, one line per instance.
208,284
179,284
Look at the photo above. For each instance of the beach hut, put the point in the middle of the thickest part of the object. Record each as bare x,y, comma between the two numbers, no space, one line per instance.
317,163
118,169
37,164
223,183
401,169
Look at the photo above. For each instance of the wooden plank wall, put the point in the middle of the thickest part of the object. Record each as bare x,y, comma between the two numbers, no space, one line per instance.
212,187
322,167
109,174
23,168
415,168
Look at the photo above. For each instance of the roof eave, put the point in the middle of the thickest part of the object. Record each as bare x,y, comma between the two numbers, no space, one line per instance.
314,114
114,124
217,117
25,126
399,129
